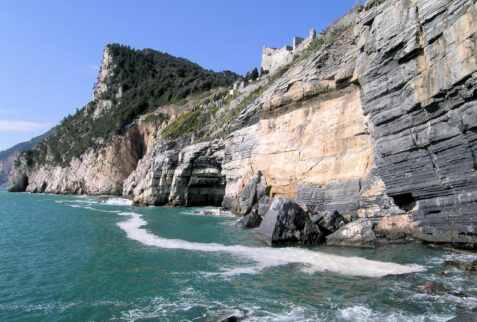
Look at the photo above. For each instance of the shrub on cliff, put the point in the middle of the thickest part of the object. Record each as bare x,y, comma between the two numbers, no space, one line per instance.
146,79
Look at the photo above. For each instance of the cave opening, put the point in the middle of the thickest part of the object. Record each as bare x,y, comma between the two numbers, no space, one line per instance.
404,201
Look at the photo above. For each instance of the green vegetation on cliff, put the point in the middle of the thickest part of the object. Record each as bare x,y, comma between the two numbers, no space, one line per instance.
145,79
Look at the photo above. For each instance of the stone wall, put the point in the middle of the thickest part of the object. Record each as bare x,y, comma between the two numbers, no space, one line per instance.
274,58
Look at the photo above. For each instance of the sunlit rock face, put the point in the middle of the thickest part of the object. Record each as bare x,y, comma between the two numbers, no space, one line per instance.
379,124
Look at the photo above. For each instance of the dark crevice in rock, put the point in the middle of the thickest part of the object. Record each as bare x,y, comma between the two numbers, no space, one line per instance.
404,201
411,55
343,83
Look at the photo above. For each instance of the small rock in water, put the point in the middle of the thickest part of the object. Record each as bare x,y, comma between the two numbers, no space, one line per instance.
103,199
207,212
252,220
235,317
460,265
459,294
471,317
432,288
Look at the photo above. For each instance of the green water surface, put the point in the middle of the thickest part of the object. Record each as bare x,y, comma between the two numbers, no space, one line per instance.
64,258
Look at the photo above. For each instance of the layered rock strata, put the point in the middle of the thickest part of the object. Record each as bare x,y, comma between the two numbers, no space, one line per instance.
379,124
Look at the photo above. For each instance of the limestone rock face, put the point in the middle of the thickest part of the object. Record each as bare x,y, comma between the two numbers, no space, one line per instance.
190,176
94,174
287,223
417,69
379,124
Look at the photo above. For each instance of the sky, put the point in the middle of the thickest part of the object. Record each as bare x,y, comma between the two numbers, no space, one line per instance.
50,51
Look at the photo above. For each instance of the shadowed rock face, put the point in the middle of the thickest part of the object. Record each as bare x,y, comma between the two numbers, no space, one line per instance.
380,124
417,68
287,223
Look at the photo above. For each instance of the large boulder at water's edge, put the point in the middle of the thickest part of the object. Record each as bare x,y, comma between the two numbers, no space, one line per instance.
252,220
358,233
328,221
287,223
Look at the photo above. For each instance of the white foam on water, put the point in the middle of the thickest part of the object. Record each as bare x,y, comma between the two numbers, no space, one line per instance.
118,202
364,313
210,212
268,256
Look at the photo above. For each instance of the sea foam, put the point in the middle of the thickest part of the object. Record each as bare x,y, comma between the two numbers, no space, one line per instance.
268,256
118,202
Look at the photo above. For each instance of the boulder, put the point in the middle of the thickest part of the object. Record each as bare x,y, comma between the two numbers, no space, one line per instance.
461,265
248,195
329,222
432,288
103,199
263,205
252,220
470,317
254,189
358,233
287,223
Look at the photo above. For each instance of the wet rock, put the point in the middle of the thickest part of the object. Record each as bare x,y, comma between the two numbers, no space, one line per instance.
459,294
329,222
461,265
248,195
263,205
287,223
470,317
252,192
252,220
431,288
103,199
358,233
232,318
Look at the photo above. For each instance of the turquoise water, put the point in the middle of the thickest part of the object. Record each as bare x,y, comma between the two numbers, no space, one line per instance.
72,258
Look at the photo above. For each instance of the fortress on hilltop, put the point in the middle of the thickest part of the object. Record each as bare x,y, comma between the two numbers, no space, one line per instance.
274,58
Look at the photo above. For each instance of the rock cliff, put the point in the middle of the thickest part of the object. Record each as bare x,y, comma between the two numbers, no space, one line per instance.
8,156
375,119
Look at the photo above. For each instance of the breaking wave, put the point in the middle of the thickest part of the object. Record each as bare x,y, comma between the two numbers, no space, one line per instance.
267,256
118,202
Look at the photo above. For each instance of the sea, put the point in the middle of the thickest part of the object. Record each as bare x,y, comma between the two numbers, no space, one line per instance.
73,258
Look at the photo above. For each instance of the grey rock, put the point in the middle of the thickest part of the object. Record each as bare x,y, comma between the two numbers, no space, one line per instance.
358,233
287,223
248,195
252,192
461,265
432,288
252,220
264,204
329,222
469,317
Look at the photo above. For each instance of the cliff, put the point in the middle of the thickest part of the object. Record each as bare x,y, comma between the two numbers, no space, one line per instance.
8,156
376,118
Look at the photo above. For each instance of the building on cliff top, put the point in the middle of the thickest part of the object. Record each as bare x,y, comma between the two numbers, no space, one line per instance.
275,58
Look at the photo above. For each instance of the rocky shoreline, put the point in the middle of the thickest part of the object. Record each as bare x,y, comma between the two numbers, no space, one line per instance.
375,130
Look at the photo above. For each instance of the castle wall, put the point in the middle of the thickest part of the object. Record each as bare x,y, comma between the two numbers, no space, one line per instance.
274,58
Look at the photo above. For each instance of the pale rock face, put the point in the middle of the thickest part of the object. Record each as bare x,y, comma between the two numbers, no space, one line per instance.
106,71
189,176
380,125
96,173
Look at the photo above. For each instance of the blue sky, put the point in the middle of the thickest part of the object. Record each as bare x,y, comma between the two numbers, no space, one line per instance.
51,50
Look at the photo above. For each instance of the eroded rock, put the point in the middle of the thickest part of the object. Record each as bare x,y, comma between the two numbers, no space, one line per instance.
252,220
432,288
358,233
287,223
329,222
